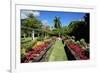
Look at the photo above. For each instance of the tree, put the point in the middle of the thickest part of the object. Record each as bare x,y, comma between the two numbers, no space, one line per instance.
57,22
87,26
33,22
80,30
87,18
29,24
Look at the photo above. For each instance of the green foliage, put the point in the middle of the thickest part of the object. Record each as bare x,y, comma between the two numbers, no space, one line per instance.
29,24
28,44
22,57
32,22
83,43
56,32
40,39
25,40
79,29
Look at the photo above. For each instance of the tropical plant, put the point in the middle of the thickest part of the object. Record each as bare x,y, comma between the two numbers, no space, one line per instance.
57,22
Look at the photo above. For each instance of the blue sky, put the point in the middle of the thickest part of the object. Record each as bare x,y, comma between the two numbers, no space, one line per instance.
47,17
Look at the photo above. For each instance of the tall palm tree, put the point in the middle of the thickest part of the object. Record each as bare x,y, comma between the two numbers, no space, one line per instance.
57,22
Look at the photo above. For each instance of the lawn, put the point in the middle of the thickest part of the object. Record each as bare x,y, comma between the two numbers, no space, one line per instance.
57,53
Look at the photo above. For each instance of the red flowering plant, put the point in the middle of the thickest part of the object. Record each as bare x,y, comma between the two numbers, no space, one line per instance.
36,51
78,50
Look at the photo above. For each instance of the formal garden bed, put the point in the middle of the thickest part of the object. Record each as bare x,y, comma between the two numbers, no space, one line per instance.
79,49
37,51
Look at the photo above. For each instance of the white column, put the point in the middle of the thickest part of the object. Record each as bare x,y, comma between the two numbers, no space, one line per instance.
33,35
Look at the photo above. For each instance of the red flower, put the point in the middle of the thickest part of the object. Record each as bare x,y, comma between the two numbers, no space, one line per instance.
78,50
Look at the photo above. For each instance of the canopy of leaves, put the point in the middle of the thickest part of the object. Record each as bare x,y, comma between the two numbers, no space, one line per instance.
29,24
79,29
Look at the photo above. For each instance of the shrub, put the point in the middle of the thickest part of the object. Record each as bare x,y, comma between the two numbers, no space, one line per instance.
83,43
40,39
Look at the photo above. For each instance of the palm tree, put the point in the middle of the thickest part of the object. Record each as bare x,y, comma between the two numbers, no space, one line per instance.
57,22
57,25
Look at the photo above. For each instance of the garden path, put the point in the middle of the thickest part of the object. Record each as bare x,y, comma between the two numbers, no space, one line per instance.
58,52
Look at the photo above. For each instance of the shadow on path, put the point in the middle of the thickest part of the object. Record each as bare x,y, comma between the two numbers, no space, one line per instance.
68,53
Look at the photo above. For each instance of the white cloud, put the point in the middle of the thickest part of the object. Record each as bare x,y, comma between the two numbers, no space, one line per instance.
23,16
45,22
25,13
36,13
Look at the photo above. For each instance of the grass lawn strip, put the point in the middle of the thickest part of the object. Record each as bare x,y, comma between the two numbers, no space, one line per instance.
58,53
